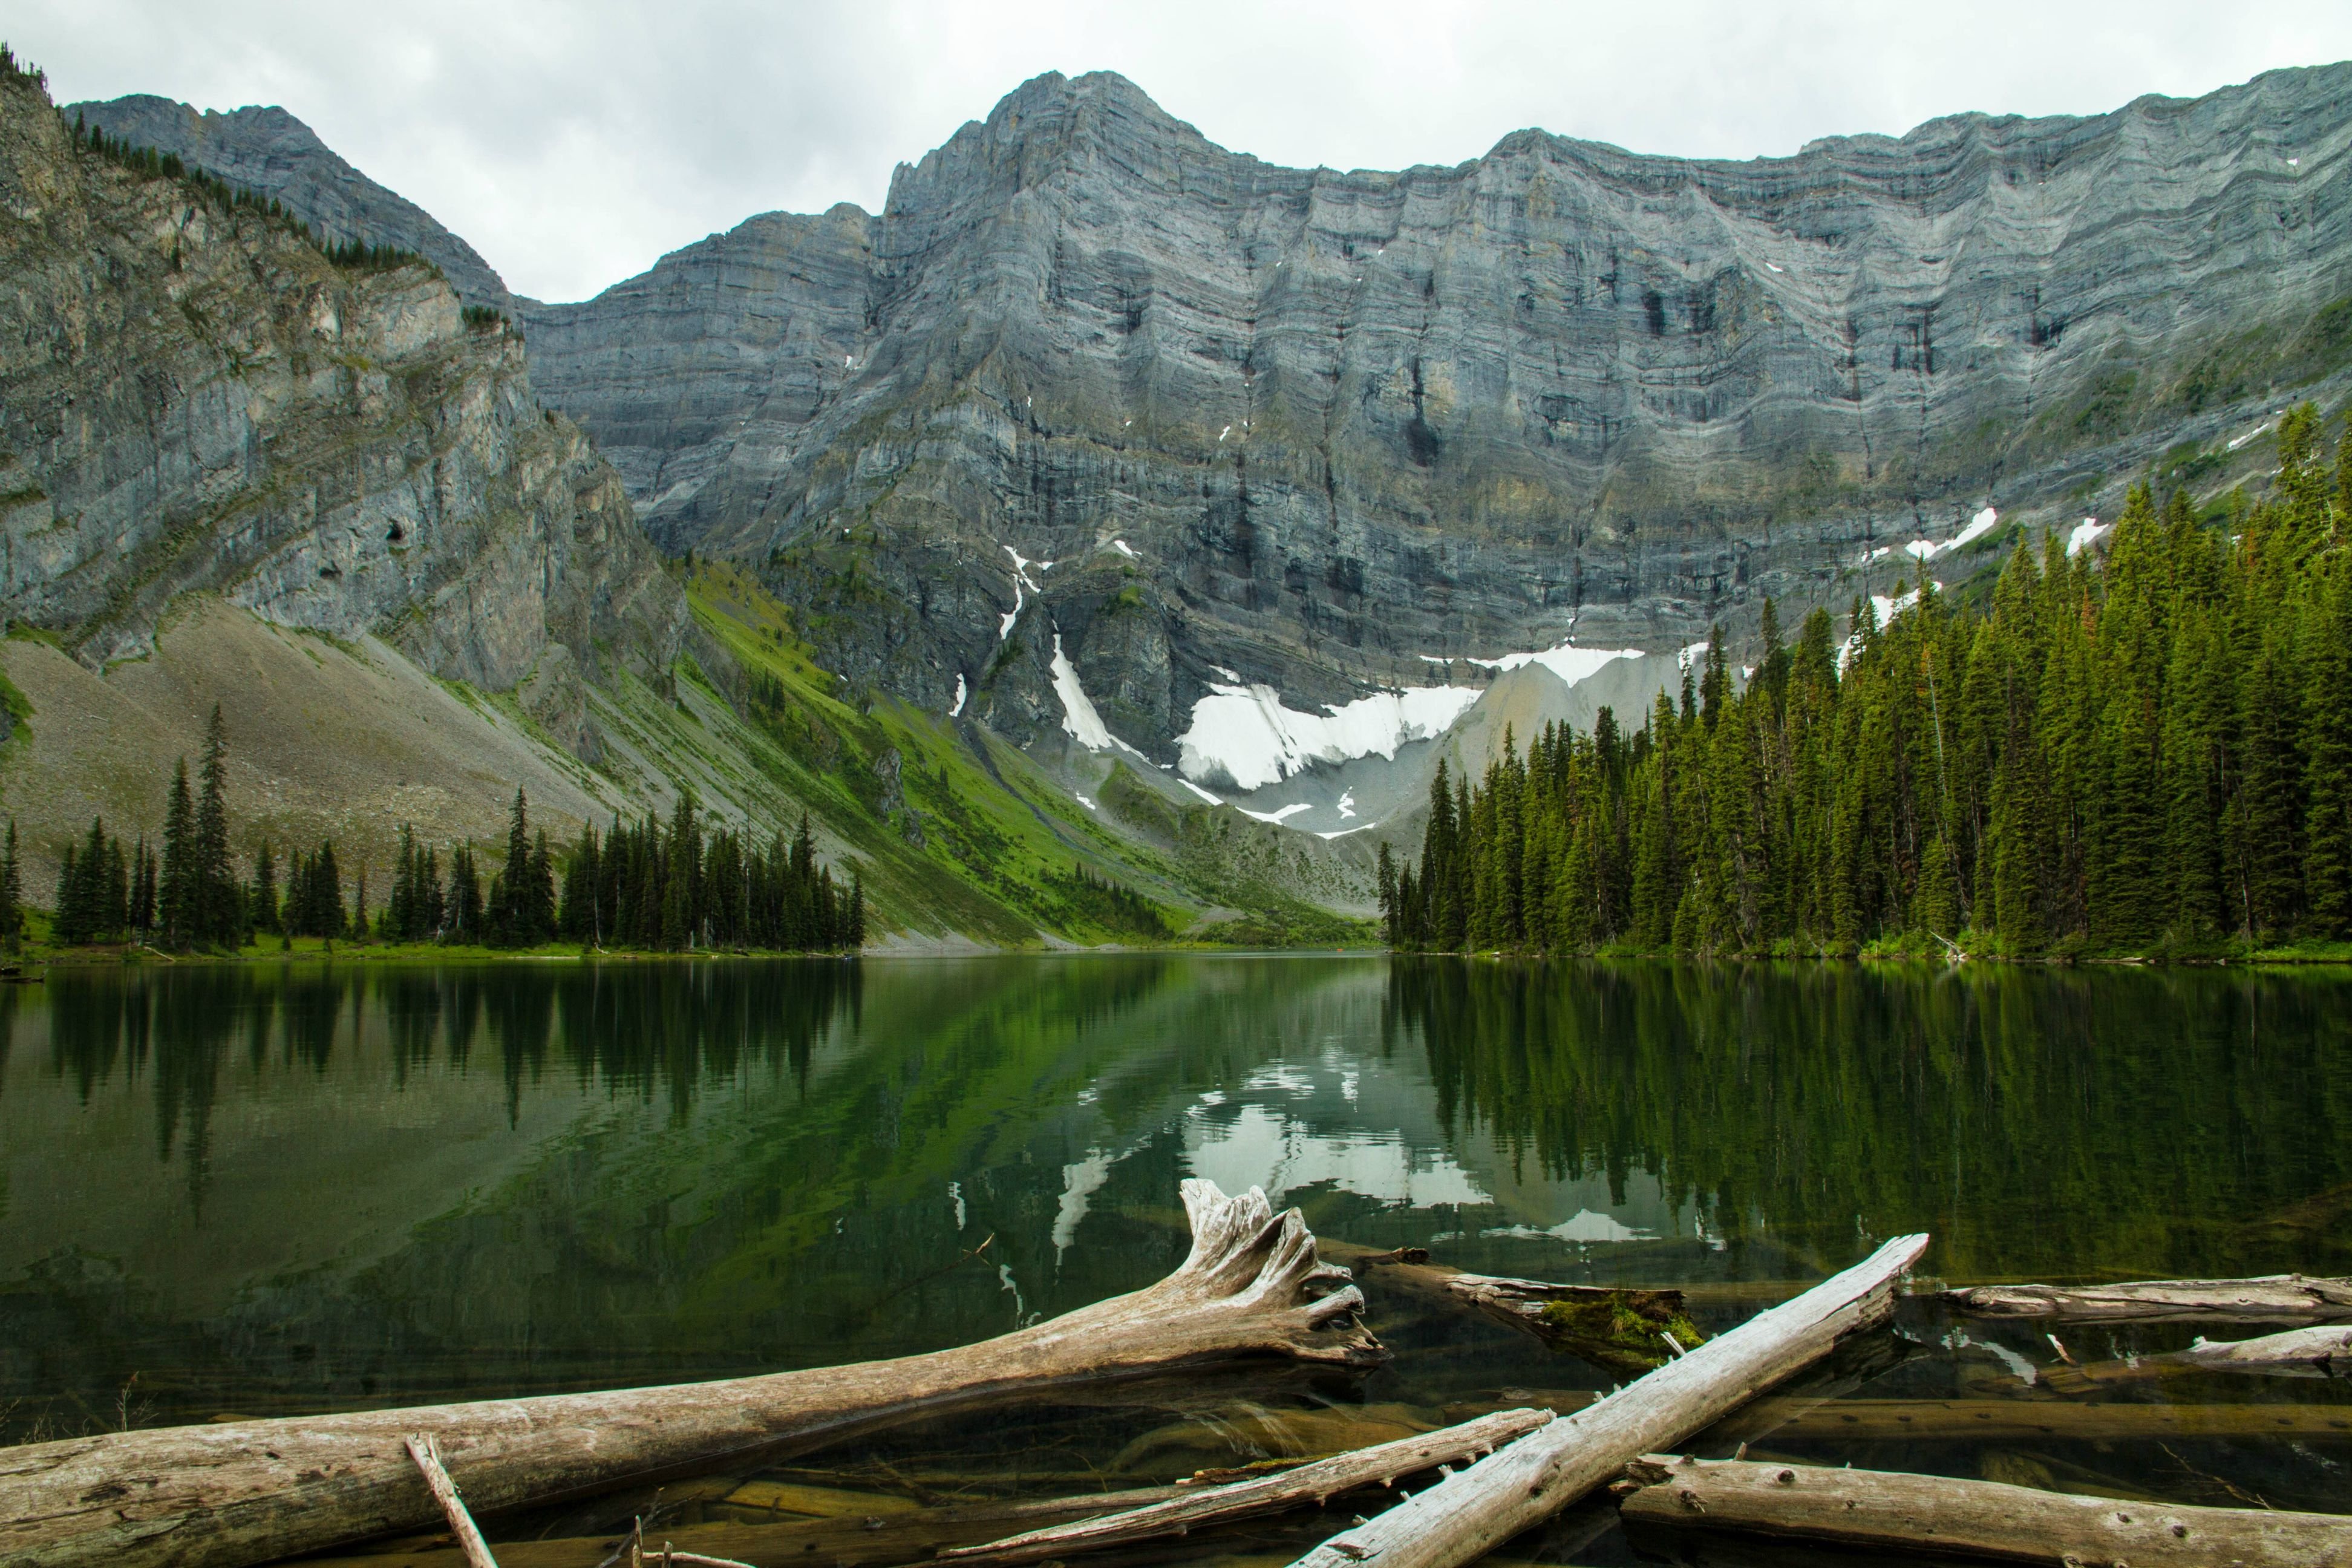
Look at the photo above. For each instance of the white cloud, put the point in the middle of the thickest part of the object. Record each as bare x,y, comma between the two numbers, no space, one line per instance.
573,143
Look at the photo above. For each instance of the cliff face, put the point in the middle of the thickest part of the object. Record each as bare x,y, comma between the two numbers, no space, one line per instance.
1094,406
192,399
1314,427
267,150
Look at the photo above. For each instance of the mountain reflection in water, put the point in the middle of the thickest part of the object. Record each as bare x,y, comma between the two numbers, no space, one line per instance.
268,1190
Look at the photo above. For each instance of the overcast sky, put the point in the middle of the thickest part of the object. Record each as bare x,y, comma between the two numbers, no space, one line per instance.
573,141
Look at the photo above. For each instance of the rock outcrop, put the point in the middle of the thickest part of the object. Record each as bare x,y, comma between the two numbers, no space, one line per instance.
193,399
1094,395
1315,426
269,152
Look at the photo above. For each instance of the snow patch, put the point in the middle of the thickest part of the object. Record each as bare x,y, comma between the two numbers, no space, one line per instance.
1078,716
2087,534
961,695
1082,800
1978,526
1276,816
1226,674
1120,546
1196,789
1246,732
1570,663
2241,440
1776,268
1885,609
1346,804
1343,832
1685,656
1925,549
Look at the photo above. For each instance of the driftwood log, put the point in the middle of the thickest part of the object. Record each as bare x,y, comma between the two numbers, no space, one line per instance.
427,1452
2272,1298
852,1541
1877,1512
2297,1352
242,1492
1475,1510
1310,1485
1813,1420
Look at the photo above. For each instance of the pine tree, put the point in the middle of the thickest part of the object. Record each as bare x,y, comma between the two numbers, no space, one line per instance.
11,893
177,896
214,916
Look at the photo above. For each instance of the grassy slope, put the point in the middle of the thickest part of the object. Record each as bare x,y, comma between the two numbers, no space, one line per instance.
959,835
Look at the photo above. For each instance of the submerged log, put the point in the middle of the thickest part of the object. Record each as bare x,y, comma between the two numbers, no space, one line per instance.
2272,1298
1617,1329
2297,1352
1878,1511
246,1492
851,1541
1312,1484
1470,1514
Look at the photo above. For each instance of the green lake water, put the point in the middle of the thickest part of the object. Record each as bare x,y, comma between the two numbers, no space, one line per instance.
260,1191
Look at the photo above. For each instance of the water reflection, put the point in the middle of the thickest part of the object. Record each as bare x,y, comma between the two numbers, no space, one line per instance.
274,1189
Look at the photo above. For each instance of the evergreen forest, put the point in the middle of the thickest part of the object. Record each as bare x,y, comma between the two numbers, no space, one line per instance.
2144,755
673,888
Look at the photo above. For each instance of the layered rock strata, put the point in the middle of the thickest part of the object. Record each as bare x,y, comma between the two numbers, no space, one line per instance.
194,400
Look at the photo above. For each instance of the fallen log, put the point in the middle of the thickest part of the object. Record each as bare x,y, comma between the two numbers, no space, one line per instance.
427,1452
2275,1297
1619,1329
1875,1511
234,1493
1315,1483
2297,1352
1475,1510
849,1542
1808,1420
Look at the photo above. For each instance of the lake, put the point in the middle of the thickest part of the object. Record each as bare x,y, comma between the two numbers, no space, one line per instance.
253,1190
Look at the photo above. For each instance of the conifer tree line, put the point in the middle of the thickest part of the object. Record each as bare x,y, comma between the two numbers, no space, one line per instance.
2150,754
640,884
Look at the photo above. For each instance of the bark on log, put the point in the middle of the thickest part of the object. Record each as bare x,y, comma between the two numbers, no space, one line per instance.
192,1496
2272,1298
1876,1510
1472,1513
1315,1483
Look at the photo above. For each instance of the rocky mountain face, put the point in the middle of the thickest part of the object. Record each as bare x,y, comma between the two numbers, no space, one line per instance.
194,400
269,152
1108,438
1093,389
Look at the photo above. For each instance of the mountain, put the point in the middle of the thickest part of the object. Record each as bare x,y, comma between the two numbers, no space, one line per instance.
325,496
269,152
1318,428
1117,479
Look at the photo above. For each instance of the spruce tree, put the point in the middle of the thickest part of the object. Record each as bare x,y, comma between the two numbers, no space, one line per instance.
215,917
11,893
177,896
